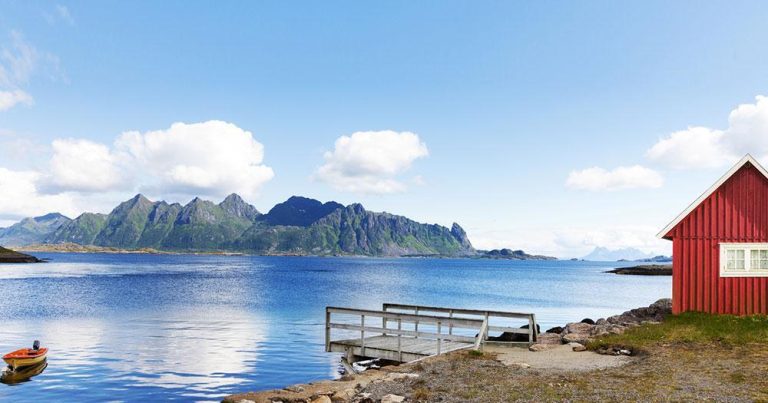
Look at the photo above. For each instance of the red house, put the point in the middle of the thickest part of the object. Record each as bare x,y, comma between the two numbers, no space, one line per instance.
720,246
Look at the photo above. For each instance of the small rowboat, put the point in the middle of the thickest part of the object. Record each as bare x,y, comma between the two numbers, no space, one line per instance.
26,357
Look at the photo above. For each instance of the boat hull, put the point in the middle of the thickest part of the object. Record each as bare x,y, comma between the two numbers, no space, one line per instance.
25,357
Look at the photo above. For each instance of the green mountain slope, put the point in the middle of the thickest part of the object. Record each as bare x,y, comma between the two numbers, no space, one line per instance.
82,230
298,226
32,230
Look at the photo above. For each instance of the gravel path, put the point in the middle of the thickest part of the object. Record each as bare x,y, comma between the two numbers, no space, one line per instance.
560,357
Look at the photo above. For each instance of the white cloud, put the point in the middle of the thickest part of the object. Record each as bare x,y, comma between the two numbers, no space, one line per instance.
212,158
84,166
371,162
19,60
9,99
20,196
694,147
702,147
599,179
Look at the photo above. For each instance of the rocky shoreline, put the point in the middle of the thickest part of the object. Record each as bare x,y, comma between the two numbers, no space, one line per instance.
645,270
578,334
409,382
10,256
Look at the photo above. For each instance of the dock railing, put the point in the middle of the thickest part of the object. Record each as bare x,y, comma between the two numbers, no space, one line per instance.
439,323
488,316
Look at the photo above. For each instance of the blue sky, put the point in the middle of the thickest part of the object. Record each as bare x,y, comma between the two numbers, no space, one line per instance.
490,114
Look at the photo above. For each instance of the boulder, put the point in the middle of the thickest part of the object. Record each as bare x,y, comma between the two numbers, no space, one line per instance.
513,337
542,347
588,321
577,347
321,399
549,338
556,329
343,395
392,399
577,328
577,332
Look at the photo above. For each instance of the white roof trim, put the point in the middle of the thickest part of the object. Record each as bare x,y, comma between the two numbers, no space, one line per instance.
708,192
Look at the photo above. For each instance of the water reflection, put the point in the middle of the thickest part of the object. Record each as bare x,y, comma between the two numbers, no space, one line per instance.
23,374
141,327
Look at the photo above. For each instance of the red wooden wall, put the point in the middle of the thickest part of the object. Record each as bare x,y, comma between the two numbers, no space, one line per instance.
735,212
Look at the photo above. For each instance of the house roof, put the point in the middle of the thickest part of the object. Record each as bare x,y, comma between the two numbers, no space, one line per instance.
747,159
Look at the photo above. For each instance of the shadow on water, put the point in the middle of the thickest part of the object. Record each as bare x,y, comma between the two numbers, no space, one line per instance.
23,374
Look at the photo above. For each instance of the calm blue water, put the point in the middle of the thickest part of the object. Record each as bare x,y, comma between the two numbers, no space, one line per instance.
146,327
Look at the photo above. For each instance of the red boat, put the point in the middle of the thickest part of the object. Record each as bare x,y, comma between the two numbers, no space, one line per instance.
26,357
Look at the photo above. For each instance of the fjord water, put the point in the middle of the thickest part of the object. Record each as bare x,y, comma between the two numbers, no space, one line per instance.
130,327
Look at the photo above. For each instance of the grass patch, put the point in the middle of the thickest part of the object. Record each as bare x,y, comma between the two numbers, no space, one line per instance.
475,353
691,327
421,394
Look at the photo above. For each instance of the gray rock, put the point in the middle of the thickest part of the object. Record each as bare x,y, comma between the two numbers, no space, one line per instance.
577,347
541,347
321,399
549,338
392,399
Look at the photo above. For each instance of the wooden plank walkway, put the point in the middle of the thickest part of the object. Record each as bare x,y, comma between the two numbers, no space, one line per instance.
400,338
385,347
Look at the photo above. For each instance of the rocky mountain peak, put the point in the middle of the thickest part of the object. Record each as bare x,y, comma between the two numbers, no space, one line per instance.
299,211
460,235
236,206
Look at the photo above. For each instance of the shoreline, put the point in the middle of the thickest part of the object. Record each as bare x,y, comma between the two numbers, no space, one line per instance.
77,248
560,349
681,355
644,270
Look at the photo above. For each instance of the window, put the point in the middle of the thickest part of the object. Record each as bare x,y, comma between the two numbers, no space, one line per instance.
744,260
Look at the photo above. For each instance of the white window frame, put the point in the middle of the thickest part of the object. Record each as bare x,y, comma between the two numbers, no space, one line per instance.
748,270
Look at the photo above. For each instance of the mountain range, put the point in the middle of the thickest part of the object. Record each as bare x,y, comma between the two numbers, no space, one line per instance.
631,254
298,226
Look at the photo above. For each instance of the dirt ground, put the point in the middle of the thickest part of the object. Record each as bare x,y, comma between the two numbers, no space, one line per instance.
664,372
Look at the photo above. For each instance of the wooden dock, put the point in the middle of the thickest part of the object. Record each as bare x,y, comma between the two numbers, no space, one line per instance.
405,333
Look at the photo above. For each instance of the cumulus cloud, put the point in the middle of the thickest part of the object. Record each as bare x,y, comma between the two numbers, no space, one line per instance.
84,166
21,196
371,161
9,99
210,158
599,179
702,147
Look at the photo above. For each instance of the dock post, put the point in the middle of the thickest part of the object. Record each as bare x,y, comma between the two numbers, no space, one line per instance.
327,330
362,335
438,337
384,319
416,326
531,329
450,325
399,341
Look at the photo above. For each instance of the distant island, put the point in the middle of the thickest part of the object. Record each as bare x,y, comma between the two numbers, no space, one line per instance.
10,256
645,270
511,255
298,226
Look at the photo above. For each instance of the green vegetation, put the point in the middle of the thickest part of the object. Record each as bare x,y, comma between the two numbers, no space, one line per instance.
691,327
298,226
